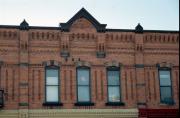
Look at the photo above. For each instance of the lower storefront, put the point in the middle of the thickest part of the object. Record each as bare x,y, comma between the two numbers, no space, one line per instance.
158,113
70,113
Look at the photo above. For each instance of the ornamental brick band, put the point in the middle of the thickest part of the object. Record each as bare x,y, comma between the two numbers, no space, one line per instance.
83,69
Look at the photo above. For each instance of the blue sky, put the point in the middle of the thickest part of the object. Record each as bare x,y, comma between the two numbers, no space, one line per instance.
120,14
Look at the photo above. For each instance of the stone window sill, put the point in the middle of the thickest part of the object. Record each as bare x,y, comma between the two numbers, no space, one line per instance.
52,104
166,104
84,104
115,104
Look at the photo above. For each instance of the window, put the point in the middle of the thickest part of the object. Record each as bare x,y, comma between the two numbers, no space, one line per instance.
1,92
113,80
52,85
1,98
165,86
83,84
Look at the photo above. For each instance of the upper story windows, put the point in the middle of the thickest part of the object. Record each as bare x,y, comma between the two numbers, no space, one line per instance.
1,98
113,77
113,86
1,91
165,86
52,83
83,84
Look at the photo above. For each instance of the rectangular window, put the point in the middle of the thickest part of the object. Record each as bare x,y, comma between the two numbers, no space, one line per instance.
1,98
113,79
52,84
83,84
165,86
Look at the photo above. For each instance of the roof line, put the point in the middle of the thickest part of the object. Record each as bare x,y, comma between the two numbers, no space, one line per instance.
9,26
107,29
162,31
133,30
120,30
31,27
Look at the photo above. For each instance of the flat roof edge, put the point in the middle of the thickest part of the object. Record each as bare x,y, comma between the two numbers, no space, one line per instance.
107,29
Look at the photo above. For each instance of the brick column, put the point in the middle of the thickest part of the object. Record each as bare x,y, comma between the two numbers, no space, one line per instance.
23,66
139,65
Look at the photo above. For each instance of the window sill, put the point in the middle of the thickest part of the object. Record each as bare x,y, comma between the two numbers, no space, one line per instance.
84,104
52,104
115,104
167,103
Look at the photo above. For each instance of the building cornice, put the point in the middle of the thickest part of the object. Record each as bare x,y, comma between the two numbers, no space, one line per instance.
30,27
107,29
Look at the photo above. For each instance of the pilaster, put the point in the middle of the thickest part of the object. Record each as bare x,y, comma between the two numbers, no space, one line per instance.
23,65
140,72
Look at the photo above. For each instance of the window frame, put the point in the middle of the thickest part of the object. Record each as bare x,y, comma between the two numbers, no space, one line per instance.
172,98
1,98
83,103
111,103
1,90
47,103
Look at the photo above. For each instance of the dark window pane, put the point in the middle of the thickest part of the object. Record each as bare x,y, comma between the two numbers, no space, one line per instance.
83,94
114,94
166,94
165,78
1,101
52,72
51,77
83,76
164,72
113,77
1,97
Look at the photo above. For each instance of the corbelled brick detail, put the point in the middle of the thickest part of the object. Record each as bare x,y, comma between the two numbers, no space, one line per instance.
23,54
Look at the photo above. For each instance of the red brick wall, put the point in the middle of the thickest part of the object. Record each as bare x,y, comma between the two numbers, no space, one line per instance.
25,84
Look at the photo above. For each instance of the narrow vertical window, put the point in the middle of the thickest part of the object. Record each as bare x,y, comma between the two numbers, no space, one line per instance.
113,86
1,92
52,85
83,86
0,75
165,86
1,98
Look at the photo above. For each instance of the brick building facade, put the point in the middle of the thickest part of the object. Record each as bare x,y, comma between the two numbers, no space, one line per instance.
82,69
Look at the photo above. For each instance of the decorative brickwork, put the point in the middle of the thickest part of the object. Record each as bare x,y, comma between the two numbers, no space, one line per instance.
26,50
